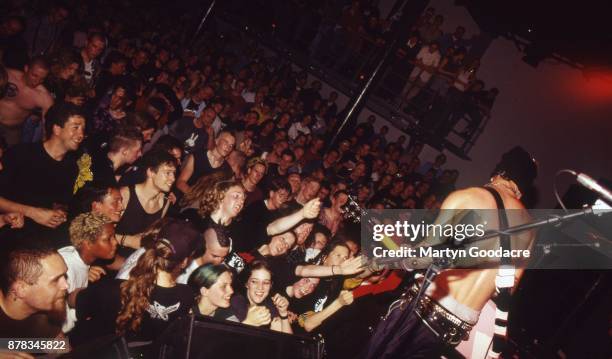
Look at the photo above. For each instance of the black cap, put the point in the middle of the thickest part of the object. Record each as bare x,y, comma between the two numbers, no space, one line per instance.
181,237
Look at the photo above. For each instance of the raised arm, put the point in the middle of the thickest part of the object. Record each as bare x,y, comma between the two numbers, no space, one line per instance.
281,225
348,267
311,322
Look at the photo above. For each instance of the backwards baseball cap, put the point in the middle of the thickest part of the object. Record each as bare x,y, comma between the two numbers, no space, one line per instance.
519,166
181,237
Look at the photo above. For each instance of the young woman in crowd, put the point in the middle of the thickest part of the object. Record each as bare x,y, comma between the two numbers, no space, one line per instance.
141,307
212,287
266,309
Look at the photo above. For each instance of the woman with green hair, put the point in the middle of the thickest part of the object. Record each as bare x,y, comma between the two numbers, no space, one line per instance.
212,285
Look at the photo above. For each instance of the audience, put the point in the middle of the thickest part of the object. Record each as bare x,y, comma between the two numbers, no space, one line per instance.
231,142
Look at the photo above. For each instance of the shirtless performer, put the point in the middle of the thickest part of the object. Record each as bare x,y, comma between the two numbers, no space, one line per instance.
453,302
25,93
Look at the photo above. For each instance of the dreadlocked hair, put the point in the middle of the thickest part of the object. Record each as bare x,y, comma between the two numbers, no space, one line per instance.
136,291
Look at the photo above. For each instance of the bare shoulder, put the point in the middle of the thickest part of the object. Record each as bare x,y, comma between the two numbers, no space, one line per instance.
14,75
469,198
42,90
44,97
125,194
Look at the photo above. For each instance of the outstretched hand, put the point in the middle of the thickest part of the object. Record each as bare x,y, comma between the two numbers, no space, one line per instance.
353,266
311,208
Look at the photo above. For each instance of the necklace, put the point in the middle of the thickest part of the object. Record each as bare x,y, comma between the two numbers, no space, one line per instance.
515,192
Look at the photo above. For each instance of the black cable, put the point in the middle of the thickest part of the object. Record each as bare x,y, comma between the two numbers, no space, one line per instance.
555,186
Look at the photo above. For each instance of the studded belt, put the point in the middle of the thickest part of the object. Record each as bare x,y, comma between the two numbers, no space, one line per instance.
448,327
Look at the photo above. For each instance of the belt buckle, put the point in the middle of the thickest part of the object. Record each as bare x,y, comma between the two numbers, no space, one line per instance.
450,335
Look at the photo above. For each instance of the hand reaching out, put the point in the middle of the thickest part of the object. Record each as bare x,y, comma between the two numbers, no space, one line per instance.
311,208
346,297
353,266
48,217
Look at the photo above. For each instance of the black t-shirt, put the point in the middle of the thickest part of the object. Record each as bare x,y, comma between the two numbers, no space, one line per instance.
103,171
134,174
283,272
38,325
194,139
98,306
272,174
324,294
249,230
297,255
32,177
202,167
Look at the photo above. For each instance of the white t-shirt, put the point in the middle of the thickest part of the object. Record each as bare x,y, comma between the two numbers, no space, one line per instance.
428,59
78,276
130,262
217,125
182,279
296,129
88,70
248,96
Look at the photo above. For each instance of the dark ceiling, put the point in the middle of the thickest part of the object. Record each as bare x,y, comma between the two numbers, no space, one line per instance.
578,30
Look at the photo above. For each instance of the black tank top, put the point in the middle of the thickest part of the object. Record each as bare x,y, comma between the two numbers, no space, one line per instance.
135,220
202,167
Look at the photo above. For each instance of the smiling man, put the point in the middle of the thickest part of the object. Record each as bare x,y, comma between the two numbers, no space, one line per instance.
148,201
38,178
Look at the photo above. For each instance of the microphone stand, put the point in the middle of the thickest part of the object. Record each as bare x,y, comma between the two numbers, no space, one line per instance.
555,220
438,264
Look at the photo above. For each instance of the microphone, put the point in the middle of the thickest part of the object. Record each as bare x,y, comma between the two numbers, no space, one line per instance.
590,183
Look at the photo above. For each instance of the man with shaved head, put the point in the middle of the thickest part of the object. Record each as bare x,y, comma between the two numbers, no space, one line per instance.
203,163
32,282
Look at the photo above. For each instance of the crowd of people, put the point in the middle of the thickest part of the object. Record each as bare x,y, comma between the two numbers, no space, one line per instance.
433,75
169,180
